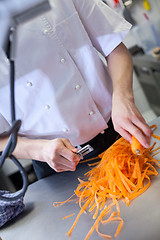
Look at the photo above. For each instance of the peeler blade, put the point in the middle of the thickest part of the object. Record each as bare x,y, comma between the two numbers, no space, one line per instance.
84,151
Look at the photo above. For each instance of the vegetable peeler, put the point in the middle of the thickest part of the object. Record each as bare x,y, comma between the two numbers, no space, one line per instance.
84,151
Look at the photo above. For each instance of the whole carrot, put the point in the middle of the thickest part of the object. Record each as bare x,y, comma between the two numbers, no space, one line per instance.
136,147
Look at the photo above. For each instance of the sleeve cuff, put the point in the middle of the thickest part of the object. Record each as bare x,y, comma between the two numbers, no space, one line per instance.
4,125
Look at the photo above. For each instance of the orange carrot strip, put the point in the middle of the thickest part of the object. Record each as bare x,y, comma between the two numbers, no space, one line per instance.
155,136
103,212
154,126
119,228
89,159
68,216
79,214
120,174
56,204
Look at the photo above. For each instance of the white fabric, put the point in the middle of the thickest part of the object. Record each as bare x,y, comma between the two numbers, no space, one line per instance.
62,87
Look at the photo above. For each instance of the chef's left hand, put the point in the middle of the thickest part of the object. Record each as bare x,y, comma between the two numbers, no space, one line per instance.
128,120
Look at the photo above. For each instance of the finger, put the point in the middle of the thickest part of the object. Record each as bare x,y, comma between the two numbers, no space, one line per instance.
126,135
71,165
139,134
140,123
63,165
143,126
68,145
67,152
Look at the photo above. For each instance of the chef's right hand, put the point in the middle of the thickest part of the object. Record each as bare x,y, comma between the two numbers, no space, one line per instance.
60,154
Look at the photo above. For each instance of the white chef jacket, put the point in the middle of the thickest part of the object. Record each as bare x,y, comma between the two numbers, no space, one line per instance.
62,87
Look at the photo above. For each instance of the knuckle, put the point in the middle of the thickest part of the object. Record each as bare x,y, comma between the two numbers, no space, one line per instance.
75,158
136,132
56,147
73,168
66,141
53,157
58,142
117,128
73,165
58,170
54,165
149,131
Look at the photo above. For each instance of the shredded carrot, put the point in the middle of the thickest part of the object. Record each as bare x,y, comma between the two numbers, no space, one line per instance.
56,204
70,215
90,159
120,174
155,136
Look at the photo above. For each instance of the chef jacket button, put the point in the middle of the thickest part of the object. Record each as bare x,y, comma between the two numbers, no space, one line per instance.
46,107
103,132
45,31
65,130
29,84
91,113
6,60
78,86
63,60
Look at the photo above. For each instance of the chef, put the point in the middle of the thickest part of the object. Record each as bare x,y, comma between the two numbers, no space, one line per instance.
73,85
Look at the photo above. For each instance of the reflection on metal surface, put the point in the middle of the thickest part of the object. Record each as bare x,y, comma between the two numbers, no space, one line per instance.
85,150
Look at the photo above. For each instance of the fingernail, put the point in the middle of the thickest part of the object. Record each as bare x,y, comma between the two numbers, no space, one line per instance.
147,145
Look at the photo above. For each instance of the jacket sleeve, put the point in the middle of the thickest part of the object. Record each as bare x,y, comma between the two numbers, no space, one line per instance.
105,27
4,125
4,81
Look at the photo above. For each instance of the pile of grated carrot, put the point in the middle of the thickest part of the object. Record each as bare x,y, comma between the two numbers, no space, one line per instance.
120,174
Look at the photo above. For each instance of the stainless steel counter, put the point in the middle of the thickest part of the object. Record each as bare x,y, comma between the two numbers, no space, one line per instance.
40,220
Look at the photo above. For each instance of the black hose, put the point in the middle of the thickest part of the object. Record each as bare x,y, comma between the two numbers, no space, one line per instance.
20,193
12,141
